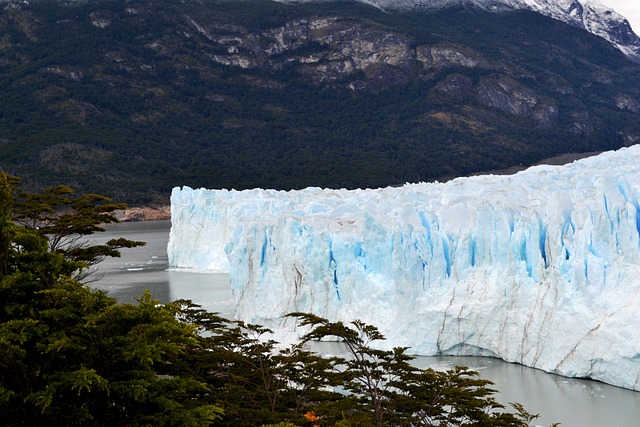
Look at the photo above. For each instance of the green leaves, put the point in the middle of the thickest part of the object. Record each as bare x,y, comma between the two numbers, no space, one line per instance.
70,355
85,380
393,392
65,219
6,222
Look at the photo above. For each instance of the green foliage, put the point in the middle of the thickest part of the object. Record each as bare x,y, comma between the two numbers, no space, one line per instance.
259,384
6,223
393,392
73,356
65,219
280,425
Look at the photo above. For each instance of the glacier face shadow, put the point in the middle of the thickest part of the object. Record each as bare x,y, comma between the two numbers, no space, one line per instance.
541,268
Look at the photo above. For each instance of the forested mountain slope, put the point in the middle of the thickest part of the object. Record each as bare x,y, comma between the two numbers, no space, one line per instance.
132,98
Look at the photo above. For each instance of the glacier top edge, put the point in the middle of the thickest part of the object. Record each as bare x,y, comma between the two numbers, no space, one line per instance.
525,190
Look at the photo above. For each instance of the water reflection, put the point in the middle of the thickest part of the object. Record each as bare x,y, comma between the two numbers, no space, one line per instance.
570,401
211,291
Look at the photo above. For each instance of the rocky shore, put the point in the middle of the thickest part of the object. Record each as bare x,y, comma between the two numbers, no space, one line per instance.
144,214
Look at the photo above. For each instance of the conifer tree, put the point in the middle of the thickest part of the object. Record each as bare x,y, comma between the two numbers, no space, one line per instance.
66,219
394,393
70,355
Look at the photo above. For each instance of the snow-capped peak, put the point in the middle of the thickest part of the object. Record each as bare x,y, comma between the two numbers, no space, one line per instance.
590,15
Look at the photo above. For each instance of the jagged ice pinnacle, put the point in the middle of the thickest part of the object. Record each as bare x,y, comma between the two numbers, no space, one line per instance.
540,268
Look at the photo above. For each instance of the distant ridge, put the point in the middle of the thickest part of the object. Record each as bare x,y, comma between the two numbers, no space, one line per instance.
591,16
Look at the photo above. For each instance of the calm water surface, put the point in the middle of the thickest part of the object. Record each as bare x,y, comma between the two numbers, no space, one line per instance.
572,402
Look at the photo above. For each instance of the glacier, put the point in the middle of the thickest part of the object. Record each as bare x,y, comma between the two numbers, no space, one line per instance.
540,268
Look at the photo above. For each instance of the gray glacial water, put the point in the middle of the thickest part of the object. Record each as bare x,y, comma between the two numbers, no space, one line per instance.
569,401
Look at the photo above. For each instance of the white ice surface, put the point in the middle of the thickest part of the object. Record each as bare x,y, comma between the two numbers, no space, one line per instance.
540,268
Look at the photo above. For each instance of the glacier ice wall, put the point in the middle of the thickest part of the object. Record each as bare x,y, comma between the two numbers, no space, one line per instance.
540,268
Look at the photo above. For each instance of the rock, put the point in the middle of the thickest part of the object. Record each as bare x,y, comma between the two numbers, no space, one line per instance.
625,102
507,95
456,86
582,123
440,57
144,214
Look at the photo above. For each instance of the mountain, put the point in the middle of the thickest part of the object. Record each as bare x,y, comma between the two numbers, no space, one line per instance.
591,16
538,268
133,98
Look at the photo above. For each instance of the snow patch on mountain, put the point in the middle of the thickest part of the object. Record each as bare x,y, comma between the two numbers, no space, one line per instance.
591,16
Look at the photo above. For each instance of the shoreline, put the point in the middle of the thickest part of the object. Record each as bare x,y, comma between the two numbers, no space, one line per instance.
148,213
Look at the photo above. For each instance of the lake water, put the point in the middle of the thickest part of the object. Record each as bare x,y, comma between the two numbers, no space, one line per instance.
569,401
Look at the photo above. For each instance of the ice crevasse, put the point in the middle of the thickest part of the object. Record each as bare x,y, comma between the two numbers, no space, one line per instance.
540,268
